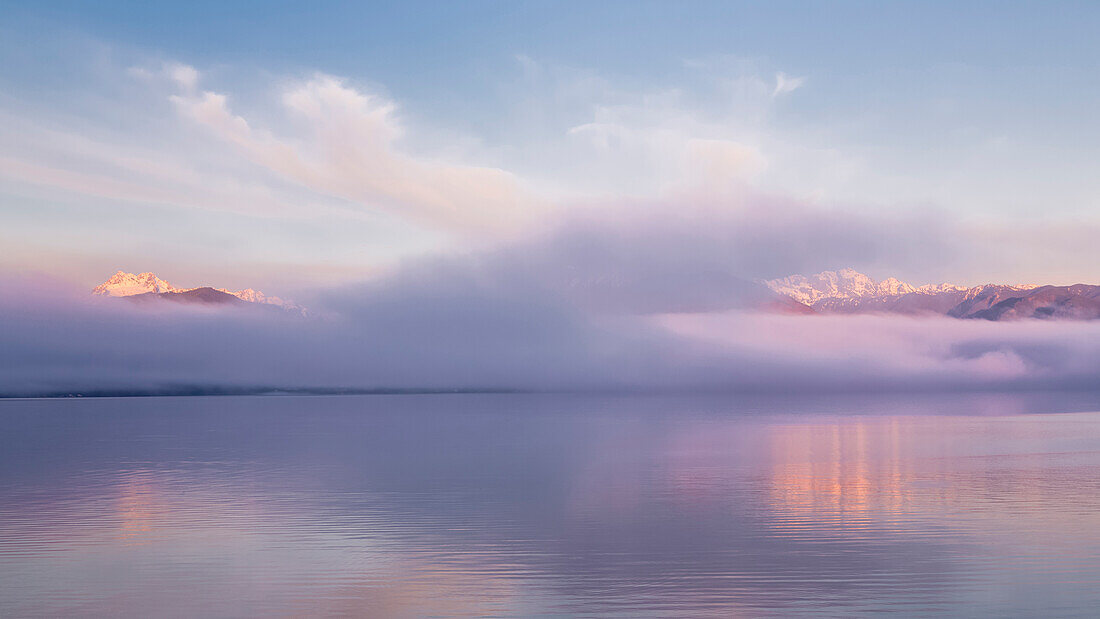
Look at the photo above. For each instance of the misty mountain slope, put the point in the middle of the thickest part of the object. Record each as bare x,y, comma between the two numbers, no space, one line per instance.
911,303
205,296
1077,302
981,298
850,292
783,304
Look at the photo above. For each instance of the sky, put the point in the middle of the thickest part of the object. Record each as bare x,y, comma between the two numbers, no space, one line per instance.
286,146
541,195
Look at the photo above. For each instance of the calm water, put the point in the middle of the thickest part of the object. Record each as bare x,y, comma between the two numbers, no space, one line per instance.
520,505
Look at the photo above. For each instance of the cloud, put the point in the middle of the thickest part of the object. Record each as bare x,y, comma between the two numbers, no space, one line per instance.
785,84
717,124
65,159
656,306
186,76
437,328
700,166
638,274
350,151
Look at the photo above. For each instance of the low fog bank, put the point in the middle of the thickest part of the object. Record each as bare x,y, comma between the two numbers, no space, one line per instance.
404,333
498,322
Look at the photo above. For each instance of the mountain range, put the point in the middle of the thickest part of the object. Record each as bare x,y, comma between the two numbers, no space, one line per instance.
850,292
830,292
144,287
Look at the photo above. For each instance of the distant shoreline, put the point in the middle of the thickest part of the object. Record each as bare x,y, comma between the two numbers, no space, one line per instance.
231,391
218,391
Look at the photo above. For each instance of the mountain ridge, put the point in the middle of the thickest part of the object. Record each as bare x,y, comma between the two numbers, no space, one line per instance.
147,286
848,291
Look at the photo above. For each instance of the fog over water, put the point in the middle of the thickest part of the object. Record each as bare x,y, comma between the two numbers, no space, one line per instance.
660,296
496,320
531,362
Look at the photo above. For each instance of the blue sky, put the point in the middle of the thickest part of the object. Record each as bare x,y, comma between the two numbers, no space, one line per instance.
980,115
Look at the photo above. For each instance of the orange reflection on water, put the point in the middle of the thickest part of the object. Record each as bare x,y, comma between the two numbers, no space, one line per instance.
845,467
139,505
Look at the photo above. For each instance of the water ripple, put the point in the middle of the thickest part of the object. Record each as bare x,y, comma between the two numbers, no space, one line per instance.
530,506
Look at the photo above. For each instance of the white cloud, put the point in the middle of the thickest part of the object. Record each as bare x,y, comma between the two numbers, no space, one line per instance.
344,145
785,83
182,76
335,152
716,127
187,77
350,150
75,160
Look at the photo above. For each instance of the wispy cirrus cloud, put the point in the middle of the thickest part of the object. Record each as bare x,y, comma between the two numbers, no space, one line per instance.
577,145
349,150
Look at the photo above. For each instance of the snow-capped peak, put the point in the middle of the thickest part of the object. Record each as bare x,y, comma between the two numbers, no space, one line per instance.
939,288
123,284
891,286
842,284
848,284
248,294
255,296
850,292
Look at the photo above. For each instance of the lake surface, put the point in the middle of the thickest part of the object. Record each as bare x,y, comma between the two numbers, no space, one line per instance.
540,505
